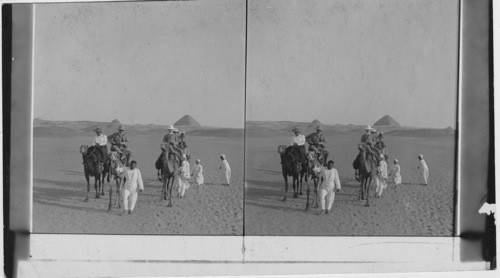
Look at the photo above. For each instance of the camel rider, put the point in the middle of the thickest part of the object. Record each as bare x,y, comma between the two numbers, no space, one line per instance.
100,142
317,144
119,142
368,141
183,145
380,144
298,141
170,143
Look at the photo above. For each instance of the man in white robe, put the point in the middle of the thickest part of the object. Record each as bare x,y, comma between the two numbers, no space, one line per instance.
183,177
198,173
226,169
396,173
425,169
133,185
329,185
381,177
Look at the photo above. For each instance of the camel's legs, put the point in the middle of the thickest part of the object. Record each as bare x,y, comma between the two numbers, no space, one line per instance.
97,179
118,192
368,182
295,186
286,186
110,196
316,182
165,180
308,190
102,183
88,186
170,185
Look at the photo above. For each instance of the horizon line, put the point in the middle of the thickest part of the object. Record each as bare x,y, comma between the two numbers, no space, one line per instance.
310,122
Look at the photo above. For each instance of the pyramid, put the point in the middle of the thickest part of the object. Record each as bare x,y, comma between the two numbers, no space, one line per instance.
39,121
187,120
111,127
386,121
316,122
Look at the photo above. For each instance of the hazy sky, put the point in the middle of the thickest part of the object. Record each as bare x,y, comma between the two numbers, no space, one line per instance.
353,61
141,62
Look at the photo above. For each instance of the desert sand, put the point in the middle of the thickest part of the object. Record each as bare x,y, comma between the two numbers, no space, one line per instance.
409,210
59,188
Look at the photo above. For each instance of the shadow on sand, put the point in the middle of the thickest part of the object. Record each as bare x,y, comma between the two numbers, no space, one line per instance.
70,195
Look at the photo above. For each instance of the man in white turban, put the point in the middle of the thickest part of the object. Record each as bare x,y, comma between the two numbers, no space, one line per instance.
226,169
425,169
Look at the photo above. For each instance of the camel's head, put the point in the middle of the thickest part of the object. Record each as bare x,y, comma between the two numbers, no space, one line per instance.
83,149
100,167
281,149
113,156
361,147
311,156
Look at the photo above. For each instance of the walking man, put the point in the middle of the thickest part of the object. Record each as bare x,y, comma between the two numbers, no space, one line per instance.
133,185
226,168
329,185
425,169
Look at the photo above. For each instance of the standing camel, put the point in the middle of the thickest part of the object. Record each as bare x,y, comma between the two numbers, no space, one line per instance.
313,166
367,171
291,167
169,169
116,171
93,166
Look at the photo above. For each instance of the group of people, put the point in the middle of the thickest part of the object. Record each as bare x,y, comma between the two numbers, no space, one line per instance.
174,142
316,141
374,145
118,141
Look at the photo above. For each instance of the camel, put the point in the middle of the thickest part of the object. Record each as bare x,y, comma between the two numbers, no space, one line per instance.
169,170
314,170
116,172
290,167
93,167
367,172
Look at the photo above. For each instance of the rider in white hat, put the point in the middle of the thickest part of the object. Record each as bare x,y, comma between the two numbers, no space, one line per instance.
299,141
101,142
170,142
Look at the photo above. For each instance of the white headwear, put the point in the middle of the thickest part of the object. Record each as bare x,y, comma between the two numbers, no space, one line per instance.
223,156
197,160
368,128
421,156
170,127
395,160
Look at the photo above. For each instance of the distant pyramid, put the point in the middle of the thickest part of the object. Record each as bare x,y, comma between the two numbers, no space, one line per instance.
111,127
316,122
187,120
39,121
386,121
